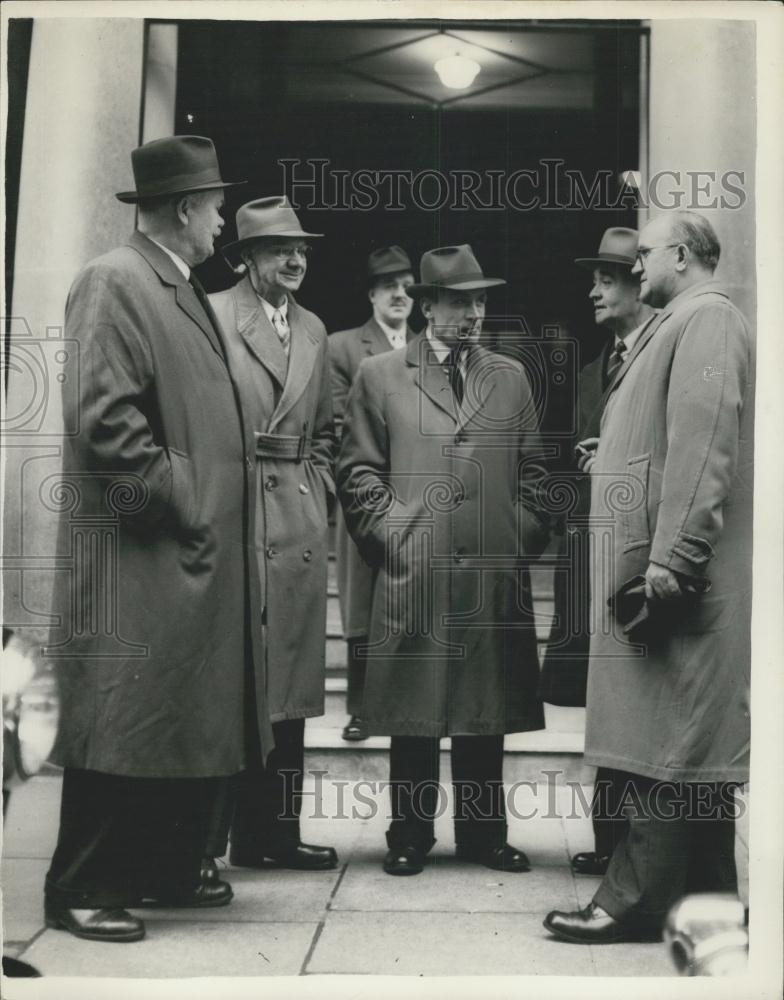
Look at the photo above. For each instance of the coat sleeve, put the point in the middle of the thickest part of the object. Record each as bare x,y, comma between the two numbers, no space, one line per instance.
363,469
114,403
323,445
533,517
704,402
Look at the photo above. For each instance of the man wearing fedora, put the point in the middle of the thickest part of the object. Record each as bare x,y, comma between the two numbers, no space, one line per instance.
389,274
670,706
278,351
152,649
438,475
615,296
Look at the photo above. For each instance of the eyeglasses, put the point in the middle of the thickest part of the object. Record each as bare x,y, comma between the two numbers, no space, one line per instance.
643,252
284,252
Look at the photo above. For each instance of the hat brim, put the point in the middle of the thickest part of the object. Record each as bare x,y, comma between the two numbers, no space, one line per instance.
611,258
235,245
132,197
386,273
415,291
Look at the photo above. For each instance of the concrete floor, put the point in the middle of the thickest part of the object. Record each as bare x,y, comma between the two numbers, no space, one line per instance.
455,919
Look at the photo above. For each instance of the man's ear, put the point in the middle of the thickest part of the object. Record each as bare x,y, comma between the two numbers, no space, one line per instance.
684,256
427,308
182,209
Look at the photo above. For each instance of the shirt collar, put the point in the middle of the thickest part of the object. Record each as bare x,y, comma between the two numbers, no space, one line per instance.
180,264
270,310
396,338
631,338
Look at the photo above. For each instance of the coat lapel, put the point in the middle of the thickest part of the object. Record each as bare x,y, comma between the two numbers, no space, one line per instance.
642,341
374,338
258,333
302,357
184,294
429,375
479,369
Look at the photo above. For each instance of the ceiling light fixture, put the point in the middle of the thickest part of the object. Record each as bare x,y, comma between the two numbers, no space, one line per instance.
457,72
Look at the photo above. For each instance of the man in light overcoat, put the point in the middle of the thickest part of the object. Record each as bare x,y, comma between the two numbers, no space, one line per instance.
389,273
278,353
438,474
673,480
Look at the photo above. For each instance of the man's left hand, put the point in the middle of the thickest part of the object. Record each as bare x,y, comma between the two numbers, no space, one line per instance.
661,583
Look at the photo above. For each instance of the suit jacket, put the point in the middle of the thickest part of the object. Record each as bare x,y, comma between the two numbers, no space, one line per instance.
673,484
151,646
287,403
443,503
347,348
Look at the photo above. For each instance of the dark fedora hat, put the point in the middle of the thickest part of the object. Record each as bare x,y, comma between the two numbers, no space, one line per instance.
388,260
618,246
451,267
264,218
174,165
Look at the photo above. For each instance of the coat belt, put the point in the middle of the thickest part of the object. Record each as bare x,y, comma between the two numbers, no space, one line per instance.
288,447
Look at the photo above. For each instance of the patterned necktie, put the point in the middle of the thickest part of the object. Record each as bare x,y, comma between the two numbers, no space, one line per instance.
282,330
614,363
455,374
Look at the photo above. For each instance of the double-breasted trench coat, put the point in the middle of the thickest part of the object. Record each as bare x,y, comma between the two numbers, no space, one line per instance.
442,502
157,571
673,484
347,348
288,409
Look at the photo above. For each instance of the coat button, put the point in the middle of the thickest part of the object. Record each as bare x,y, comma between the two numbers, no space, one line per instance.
459,555
271,553
270,483
303,488
459,498
307,555
459,437
248,463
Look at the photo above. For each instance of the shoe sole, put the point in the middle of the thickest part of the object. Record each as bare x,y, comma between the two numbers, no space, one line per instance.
59,925
624,938
495,868
398,872
274,863
161,904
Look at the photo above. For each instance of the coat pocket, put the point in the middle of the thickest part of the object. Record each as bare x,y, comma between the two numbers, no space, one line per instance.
182,500
634,512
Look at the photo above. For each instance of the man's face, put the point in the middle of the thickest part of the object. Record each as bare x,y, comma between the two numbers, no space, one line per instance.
656,263
278,266
456,315
615,297
204,225
388,295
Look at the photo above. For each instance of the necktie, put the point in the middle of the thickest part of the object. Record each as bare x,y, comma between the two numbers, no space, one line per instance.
455,375
282,330
614,363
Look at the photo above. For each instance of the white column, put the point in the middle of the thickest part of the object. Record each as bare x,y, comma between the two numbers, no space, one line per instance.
81,122
702,118
160,81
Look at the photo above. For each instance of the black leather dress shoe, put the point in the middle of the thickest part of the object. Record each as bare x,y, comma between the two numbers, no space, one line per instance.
215,893
300,857
590,863
404,861
209,870
500,859
355,730
593,925
94,925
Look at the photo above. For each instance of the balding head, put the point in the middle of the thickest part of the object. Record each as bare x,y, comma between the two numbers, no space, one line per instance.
675,251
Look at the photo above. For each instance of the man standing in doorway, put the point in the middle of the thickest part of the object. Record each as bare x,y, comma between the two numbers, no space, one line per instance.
389,274
615,296
278,352
438,473
668,700
153,698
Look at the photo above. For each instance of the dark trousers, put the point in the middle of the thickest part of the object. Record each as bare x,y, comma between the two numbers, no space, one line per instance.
609,823
261,806
356,667
122,839
680,839
477,780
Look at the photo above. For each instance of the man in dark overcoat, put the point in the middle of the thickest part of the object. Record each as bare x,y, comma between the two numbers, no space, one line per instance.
278,352
153,650
389,273
438,474
672,490
615,296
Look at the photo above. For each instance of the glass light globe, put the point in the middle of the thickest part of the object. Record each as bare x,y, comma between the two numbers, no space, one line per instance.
457,72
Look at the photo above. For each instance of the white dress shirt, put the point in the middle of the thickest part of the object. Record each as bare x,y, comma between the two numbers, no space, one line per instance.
182,267
396,338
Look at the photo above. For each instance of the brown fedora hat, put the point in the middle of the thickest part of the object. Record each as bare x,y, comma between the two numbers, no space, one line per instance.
264,218
618,246
174,165
451,267
388,260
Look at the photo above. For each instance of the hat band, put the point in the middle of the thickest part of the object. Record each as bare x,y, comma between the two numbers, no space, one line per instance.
453,279
273,229
180,182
